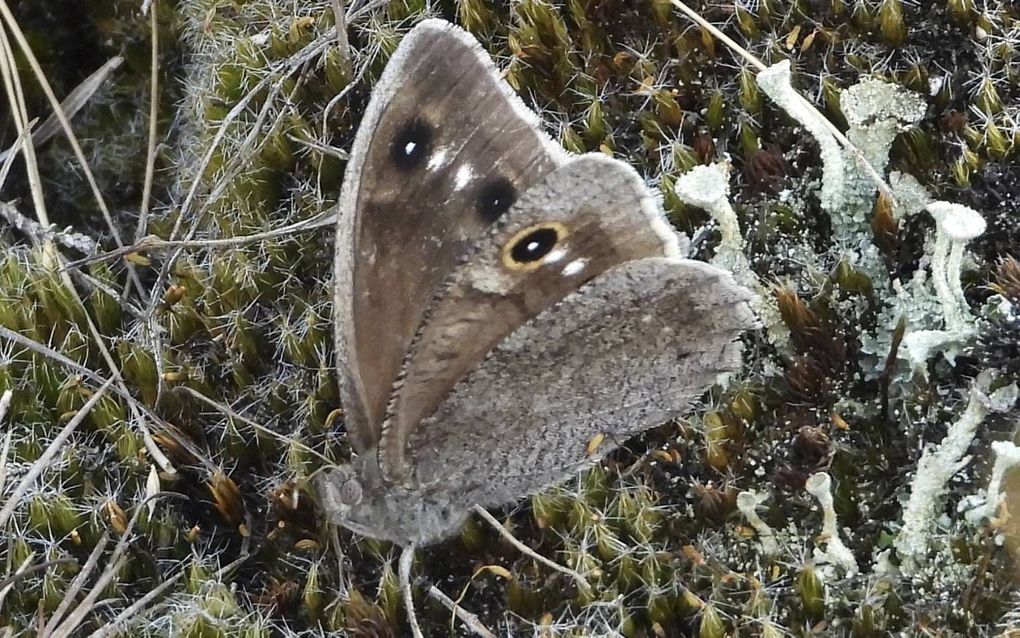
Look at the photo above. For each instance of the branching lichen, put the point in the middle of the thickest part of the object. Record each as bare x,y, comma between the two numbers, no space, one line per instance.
940,463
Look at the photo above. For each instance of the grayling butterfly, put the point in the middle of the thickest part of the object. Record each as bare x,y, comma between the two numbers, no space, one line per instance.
499,302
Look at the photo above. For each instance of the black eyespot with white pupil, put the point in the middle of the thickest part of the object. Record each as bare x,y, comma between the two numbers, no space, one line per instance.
412,143
495,198
535,245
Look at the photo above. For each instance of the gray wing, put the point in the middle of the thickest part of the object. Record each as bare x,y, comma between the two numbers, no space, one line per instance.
589,215
444,148
628,351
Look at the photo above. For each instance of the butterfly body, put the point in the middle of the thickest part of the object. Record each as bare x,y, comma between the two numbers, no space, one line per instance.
388,512
499,302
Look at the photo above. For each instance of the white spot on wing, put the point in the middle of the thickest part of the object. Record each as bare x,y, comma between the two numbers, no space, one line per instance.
555,256
438,160
464,175
574,267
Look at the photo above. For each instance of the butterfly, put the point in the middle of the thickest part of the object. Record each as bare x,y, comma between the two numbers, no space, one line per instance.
499,303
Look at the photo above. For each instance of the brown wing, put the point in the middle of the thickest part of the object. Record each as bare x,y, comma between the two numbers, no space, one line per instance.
444,148
584,218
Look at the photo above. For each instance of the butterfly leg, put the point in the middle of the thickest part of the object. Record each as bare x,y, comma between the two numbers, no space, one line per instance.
338,551
527,551
406,558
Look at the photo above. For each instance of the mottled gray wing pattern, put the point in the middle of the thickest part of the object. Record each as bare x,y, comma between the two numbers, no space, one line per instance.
444,148
628,351
587,216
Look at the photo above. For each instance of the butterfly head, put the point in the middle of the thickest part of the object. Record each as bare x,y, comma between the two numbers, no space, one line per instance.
357,499
340,492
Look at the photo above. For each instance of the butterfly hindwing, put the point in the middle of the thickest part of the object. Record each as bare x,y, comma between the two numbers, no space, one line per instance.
630,350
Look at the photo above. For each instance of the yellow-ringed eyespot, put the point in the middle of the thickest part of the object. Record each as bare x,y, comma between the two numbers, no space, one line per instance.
530,246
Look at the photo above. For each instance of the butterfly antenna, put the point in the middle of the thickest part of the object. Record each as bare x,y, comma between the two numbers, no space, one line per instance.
527,551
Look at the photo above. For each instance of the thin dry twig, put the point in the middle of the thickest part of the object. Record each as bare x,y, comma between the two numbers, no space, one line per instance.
39,234
5,404
404,574
275,83
336,99
369,7
25,566
91,283
150,151
26,50
52,257
342,42
76,617
137,408
137,609
70,105
19,112
14,578
13,151
113,566
76,586
52,354
152,242
230,413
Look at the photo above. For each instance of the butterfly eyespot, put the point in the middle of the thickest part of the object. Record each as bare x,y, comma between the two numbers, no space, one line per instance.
529,247
495,198
412,143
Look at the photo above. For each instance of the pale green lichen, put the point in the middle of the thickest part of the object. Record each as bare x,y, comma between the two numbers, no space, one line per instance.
1007,456
877,112
939,464
775,81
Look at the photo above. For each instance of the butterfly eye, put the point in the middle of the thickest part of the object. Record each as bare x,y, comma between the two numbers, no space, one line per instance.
412,143
350,492
530,246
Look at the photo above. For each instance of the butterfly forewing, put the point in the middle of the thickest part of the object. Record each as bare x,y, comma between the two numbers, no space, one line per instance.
444,149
